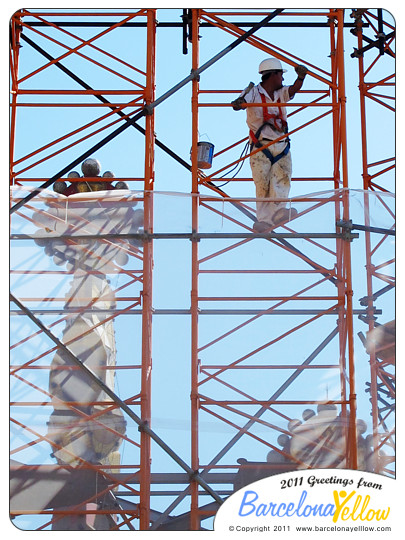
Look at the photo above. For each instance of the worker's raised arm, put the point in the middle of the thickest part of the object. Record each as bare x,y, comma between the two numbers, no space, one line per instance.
238,103
294,88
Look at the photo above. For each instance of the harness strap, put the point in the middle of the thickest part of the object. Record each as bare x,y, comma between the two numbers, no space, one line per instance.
267,117
269,155
271,120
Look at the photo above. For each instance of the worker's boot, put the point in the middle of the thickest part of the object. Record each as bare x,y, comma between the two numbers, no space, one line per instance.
261,226
282,215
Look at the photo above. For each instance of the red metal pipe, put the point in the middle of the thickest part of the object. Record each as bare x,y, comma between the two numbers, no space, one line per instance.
194,515
147,308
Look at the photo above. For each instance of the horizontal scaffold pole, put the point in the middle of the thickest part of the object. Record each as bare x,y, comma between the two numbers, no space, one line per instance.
163,24
179,236
221,312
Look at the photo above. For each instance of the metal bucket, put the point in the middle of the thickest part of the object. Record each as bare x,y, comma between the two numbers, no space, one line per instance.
205,152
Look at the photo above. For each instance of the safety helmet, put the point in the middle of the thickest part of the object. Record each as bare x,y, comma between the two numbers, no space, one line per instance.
270,64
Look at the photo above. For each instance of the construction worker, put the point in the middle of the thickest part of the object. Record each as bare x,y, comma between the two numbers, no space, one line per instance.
271,167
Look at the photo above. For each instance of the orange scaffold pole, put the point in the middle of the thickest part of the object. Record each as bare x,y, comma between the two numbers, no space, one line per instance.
146,389
194,517
352,431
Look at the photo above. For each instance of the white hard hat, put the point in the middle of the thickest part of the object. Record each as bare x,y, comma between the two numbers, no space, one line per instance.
270,64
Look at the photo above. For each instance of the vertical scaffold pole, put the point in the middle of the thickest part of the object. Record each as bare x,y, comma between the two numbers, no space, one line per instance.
194,517
337,185
367,238
144,504
352,431
343,255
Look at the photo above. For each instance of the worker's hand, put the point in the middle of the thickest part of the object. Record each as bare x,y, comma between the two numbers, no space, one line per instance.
301,71
238,103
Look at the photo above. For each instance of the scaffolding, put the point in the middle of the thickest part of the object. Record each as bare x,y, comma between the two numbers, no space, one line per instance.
271,317
378,178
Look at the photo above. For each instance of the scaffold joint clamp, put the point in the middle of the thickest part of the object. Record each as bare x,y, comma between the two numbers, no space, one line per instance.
193,475
143,427
195,237
195,75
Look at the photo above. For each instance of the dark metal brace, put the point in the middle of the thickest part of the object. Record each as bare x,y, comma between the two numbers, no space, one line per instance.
364,301
187,28
372,43
349,226
381,36
359,52
194,236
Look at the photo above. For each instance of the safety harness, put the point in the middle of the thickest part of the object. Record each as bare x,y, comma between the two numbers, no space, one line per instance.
276,121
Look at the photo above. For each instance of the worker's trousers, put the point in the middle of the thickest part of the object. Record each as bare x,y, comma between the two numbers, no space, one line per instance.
271,181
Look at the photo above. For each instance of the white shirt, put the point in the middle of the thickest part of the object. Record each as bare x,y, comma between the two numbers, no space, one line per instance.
254,115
